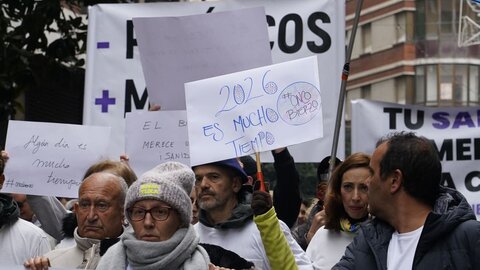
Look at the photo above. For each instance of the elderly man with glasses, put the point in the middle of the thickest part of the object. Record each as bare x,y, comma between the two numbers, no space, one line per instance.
100,216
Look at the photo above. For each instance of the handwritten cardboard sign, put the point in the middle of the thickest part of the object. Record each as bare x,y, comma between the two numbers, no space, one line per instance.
50,158
152,138
176,50
255,110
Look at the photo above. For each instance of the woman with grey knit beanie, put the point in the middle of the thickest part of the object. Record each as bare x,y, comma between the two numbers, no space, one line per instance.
159,209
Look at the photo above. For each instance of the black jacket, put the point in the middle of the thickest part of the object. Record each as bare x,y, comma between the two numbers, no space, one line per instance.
286,194
9,211
450,239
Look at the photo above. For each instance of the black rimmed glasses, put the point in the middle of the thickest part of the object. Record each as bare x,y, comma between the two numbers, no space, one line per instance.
158,213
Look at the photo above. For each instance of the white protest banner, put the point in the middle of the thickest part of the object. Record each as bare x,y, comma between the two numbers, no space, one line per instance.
50,158
455,130
114,83
176,50
155,137
255,110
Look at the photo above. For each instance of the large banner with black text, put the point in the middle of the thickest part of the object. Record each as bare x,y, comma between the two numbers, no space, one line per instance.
455,131
115,83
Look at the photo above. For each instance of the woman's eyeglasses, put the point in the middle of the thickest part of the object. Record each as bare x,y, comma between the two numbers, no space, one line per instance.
158,213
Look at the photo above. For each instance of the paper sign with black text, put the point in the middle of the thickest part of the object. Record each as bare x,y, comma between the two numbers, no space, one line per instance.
49,158
155,137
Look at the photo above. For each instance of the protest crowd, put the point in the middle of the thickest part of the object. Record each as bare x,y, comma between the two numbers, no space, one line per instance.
387,209
384,211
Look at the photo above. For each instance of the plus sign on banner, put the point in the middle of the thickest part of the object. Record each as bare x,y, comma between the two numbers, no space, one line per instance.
115,84
104,101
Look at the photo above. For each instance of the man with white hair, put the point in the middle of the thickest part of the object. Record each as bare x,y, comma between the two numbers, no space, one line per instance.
100,216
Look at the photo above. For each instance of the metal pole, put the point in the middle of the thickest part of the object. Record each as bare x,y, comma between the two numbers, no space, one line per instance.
341,97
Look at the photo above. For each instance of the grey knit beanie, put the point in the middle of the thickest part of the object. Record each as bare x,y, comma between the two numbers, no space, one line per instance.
169,182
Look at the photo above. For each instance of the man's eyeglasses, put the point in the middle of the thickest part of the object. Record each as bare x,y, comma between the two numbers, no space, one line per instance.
158,213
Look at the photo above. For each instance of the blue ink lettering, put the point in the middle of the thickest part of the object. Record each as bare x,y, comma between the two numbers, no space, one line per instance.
442,118
242,147
298,103
463,118
259,118
238,94
269,87
214,131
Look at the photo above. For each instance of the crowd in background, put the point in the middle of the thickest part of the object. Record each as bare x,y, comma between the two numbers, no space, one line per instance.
381,211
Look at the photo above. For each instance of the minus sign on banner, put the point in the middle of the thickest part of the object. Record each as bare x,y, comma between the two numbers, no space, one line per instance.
103,45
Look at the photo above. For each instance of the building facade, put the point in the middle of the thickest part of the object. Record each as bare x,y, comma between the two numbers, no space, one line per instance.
424,52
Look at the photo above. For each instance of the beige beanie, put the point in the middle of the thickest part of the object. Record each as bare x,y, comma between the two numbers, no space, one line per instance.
169,182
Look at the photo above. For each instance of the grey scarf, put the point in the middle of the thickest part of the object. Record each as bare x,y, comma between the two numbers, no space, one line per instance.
180,251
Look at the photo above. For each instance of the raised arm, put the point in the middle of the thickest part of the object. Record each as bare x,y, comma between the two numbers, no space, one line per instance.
276,246
286,195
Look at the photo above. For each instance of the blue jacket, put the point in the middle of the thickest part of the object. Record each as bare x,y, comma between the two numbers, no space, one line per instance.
450,239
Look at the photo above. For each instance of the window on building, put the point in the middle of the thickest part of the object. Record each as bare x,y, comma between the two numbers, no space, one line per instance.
366,92
400,90
473,85
431,88
367,38
460,85
448,22
420,20
400,27
446,82
447,85
437,26
431,20
420,84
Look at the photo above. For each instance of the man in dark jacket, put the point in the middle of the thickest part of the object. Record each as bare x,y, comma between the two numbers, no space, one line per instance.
418,224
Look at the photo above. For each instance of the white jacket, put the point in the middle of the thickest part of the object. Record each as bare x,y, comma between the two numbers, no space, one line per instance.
327,247
21,241
247,243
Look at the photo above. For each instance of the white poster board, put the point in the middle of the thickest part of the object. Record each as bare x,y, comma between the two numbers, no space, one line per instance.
253,111
155,137
455,132
49,158
114,82
176,50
